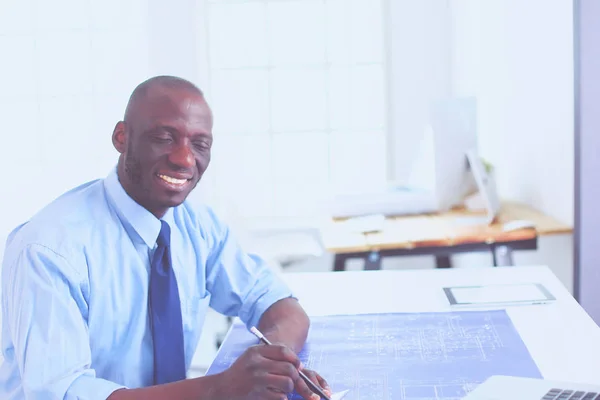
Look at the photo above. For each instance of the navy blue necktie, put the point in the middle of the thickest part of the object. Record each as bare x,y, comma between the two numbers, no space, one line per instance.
165,308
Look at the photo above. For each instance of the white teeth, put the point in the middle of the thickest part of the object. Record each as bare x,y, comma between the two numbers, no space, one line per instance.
172,180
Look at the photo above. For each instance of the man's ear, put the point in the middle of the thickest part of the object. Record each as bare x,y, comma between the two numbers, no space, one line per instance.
119,137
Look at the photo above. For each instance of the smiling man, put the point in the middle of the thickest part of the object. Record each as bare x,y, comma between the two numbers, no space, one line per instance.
105,290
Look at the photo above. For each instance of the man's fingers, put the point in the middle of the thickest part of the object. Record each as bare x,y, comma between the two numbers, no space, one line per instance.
279,383
282,365
323,383
270,394
312,375
303,390
317,380
283,368
279,353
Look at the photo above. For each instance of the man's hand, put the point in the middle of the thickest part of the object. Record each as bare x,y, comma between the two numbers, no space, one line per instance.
266,372
318,380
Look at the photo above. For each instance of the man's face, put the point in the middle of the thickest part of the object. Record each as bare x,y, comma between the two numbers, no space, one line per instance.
167,148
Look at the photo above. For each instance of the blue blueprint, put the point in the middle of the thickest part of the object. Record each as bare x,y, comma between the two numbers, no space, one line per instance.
420,356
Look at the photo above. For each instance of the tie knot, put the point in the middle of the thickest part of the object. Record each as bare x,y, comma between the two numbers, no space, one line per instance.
164,236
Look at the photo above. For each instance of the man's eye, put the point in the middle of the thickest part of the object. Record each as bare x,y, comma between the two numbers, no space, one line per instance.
202,145
162,139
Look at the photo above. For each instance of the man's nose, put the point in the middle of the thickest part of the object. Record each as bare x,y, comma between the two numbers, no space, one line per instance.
182,156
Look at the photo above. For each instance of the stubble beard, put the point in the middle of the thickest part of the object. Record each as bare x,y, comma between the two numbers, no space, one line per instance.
133,170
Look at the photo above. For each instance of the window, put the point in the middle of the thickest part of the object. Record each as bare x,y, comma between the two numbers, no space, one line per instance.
298,92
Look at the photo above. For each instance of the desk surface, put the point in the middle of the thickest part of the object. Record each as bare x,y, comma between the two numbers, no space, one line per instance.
562,339
442,229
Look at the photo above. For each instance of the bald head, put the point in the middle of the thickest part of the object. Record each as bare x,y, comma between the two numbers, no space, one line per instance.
156,86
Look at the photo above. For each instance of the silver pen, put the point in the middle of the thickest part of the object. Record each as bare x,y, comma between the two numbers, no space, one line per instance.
310,383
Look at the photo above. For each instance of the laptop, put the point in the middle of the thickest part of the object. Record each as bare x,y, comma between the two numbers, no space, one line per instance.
500,387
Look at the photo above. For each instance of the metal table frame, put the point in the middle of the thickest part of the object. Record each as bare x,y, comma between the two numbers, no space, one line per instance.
501,253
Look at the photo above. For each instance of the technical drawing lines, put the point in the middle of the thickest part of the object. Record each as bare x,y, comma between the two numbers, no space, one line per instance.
406,356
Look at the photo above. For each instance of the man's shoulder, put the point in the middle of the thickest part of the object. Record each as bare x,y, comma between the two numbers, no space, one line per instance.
73,208
64,222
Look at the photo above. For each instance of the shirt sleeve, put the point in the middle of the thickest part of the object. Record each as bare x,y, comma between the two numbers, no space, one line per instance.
241,284
44,308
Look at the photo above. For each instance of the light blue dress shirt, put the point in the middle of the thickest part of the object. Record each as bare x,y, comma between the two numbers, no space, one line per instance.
75,291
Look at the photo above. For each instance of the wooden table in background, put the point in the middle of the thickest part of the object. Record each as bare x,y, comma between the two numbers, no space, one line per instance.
440,235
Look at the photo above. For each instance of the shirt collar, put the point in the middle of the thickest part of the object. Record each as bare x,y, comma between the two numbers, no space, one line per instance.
143,222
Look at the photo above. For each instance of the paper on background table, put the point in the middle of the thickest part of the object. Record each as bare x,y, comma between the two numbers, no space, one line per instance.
440,356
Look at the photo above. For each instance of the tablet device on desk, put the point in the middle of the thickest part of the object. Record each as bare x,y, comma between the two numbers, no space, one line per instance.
520,293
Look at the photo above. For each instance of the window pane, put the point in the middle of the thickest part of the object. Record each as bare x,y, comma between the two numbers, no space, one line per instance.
299,83
238,35
298,101
243,173
18,72
240,101
366,34
354,31
340,91
62,15
296,31
16,16
302,199
118,14
19,146
357,97
301,158
357,160
338,32
64,64
301,179
367,108
64,136
111,51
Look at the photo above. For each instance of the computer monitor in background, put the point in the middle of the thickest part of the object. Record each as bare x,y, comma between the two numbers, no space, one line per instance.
440,176
441,165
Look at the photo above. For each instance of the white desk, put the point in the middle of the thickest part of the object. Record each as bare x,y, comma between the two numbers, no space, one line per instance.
562,339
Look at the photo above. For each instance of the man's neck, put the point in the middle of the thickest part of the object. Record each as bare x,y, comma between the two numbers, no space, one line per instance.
125,183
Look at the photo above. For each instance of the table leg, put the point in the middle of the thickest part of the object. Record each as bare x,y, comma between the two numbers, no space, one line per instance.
502,256
373,261
443,262
339,263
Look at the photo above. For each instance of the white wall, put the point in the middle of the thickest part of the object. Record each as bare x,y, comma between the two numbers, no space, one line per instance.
517,58
67,69
419,61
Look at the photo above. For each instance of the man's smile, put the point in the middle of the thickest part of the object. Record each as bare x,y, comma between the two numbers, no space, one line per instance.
174,182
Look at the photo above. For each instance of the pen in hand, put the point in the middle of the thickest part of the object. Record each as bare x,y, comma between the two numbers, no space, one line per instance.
310,383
